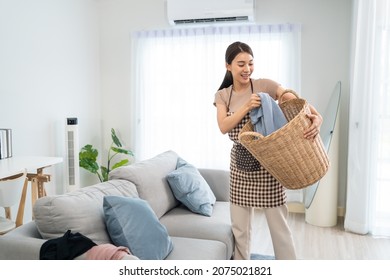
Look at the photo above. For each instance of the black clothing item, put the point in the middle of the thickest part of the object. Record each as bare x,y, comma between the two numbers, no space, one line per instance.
67,247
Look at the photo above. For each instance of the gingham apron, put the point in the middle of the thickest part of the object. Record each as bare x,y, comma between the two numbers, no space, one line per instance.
250,184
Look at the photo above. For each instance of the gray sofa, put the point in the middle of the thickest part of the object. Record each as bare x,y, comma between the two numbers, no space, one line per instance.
193,236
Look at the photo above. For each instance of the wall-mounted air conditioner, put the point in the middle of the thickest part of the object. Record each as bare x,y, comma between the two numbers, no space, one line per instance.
210,11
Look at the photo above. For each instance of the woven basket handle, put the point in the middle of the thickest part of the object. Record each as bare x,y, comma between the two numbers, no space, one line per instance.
249,136
286,91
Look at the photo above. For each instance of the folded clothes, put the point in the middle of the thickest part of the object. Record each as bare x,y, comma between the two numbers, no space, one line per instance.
66,247
268,117
107,252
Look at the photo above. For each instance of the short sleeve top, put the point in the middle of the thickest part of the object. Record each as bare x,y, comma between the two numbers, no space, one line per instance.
237,100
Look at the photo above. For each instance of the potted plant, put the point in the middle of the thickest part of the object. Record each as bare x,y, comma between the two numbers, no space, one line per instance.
88,156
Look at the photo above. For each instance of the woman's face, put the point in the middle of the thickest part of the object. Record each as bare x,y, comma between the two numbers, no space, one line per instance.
241,67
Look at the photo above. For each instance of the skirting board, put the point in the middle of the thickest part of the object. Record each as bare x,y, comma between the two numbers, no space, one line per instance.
295,207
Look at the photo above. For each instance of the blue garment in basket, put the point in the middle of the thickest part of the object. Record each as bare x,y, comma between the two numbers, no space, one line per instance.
268,117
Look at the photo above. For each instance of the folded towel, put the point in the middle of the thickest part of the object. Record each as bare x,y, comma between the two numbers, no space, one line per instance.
268,117
107,252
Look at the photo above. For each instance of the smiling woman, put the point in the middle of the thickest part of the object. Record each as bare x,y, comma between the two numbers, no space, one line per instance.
177,74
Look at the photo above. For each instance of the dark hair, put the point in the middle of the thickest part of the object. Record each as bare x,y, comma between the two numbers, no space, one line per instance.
231,52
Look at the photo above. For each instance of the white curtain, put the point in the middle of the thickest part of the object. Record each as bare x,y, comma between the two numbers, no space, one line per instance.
176,74
368,190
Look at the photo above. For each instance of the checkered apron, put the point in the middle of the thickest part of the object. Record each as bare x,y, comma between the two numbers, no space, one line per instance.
250,184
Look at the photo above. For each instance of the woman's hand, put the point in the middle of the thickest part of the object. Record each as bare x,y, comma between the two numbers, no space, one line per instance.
314,129
227,122
254,101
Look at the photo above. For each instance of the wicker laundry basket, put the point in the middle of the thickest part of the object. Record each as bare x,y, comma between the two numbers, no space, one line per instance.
294,161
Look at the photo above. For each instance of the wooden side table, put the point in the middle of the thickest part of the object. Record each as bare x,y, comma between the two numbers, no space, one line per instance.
35,167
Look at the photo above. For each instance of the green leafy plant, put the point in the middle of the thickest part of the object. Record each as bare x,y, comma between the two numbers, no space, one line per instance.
88,156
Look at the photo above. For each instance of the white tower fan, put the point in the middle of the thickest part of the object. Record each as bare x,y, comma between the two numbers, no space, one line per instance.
72,149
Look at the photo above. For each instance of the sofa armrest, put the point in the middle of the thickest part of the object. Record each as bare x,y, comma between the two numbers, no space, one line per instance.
218,181
22,243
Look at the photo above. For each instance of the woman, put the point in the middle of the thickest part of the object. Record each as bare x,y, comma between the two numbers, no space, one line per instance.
251,186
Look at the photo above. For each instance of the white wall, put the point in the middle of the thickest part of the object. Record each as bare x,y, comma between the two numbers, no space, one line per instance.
118,19
49,70
325,54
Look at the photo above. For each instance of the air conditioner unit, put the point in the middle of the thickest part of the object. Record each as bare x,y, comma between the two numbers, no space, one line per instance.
210,11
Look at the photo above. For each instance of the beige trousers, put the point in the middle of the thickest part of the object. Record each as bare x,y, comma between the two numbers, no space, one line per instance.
282,240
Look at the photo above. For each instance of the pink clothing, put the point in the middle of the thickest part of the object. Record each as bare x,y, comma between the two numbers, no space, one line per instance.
107,252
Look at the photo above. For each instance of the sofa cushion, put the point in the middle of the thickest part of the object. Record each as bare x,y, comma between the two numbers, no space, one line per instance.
190,188
79,211
197,249
22,243
132,223
181,222
218,181
149,178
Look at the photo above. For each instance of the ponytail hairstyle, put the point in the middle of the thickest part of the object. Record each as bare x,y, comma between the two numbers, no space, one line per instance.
231,52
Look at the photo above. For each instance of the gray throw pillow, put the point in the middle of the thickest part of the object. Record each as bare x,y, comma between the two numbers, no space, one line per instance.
79,211
190,188
132,223
149,178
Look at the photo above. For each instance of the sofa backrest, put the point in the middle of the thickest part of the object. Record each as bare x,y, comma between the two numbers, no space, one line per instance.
149,176
218,181
79,211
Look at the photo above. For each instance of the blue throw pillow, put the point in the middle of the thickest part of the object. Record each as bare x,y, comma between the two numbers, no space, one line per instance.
132,223
191,189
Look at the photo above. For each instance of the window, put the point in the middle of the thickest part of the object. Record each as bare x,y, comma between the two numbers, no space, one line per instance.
381,223
368,190
178,71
